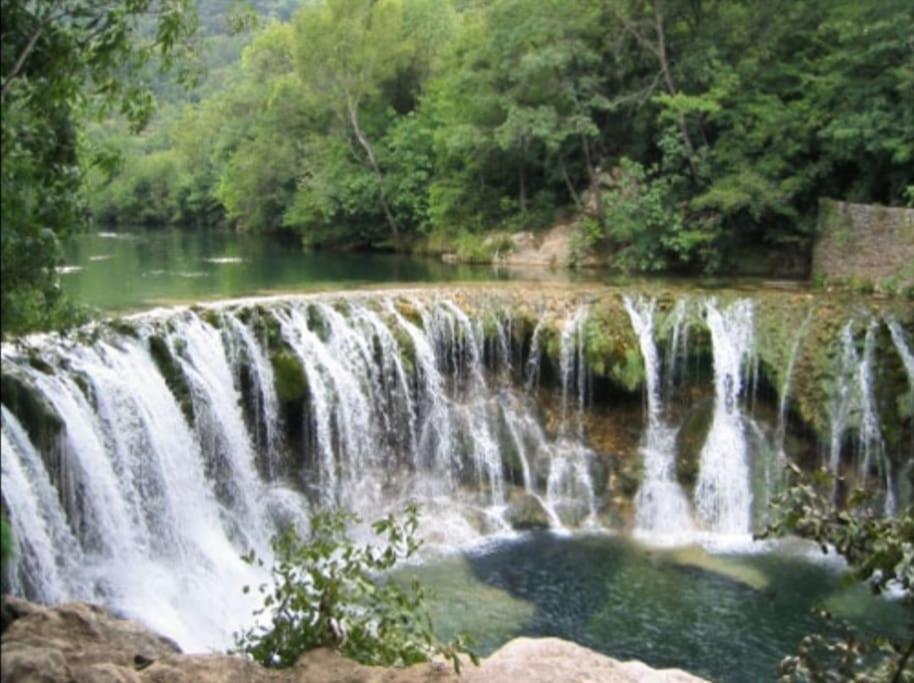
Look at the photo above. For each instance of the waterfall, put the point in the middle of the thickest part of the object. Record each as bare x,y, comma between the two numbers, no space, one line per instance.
870,433
677,351
842,398
532,373
572,365
250,354
661,506
852,403
902,346
48,554
784,394
220,425
171,448
723,494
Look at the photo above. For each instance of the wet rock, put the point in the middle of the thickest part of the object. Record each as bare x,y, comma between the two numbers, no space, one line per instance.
526,513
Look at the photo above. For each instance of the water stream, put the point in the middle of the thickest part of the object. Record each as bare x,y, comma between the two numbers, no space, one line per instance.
174,441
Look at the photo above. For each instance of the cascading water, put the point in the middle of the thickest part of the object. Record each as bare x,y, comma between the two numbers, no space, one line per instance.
47,567
784,393
723,495
532,372
156,494
569,483
870,433
661,506
853,403
677,351
903,346
842,398
573,366
175,444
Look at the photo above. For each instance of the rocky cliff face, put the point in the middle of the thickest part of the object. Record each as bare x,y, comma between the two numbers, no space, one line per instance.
87,644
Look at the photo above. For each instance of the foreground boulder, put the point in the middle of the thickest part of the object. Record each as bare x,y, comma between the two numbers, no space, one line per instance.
79,643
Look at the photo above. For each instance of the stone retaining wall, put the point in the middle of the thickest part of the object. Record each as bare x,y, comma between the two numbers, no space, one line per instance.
865,243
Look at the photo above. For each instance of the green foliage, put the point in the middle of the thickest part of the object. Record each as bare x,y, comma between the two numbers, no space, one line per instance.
329,592
879,550
641,226
355,122
61,62
6,540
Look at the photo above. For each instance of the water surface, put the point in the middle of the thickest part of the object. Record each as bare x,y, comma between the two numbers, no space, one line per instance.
727,617
127,270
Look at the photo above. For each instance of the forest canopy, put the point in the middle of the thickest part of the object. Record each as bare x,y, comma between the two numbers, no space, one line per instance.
677,130
712,123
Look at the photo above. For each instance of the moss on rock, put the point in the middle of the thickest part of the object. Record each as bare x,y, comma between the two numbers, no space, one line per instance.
171,372
289,377
35,414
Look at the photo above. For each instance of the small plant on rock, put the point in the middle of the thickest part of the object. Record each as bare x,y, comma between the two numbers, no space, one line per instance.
329,591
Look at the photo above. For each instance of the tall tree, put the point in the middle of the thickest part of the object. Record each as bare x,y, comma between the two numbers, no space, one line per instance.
59,61
346,50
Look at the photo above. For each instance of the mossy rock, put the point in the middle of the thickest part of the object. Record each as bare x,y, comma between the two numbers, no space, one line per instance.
317,324
123,328
527,513
212,317
171,372
611,348
289,377
409,311
627,474
552,342
35,414
407,349
689,441
40,364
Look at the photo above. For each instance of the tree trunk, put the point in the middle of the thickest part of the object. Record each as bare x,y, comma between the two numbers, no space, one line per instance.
373,162
671,85
522,173
592,178
574,195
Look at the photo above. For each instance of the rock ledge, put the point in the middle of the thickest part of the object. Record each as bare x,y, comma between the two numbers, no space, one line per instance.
80,643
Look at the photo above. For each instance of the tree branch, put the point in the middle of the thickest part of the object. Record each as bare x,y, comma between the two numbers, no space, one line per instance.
373,162
20,62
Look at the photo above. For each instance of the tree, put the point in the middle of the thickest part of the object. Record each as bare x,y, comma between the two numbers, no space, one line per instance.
345,50
61,61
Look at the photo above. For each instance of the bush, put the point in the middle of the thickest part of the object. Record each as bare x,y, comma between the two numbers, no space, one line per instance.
879,550
642,227
329,592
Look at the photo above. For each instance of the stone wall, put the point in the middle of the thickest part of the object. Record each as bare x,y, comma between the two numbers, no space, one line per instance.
863,242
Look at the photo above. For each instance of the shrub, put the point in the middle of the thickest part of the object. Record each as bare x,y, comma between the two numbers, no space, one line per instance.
878,549
330,592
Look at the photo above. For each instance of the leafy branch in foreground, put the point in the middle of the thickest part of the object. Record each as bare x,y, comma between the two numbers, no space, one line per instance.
330,592
879,550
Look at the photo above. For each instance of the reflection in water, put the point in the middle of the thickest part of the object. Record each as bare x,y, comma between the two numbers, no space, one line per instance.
130,270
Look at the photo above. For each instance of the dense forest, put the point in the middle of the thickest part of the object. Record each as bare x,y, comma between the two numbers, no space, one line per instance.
711,123
679,130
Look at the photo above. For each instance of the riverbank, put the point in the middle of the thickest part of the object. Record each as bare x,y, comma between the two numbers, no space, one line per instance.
86,643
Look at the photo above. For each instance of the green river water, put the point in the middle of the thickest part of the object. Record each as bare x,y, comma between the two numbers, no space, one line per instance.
125,270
